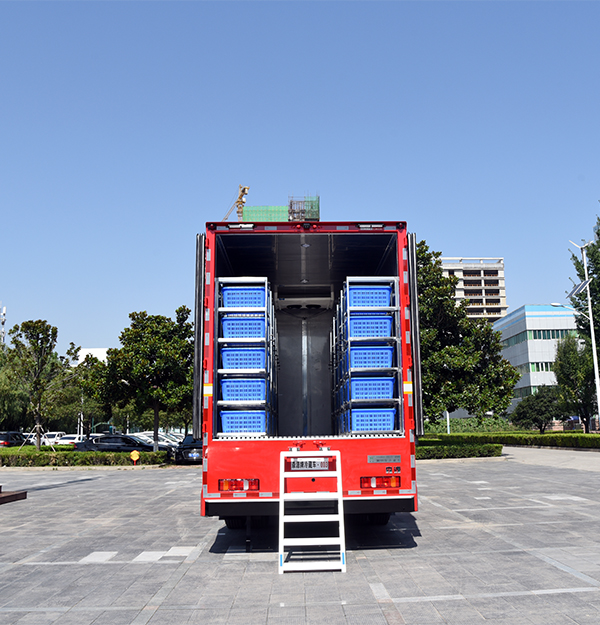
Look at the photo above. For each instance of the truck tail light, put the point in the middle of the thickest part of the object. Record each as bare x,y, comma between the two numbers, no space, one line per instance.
387,481
239,484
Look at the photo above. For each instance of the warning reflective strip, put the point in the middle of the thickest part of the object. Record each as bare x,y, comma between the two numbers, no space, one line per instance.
412,462
408,387
207,494
207,389
207,278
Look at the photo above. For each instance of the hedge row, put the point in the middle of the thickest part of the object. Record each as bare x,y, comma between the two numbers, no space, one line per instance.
11,457
551,439
439,450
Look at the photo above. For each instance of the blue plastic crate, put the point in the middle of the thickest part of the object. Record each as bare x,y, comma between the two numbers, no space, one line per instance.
244,390
370,325
243,296
372,357
373,419
239,421
243,357
369,295
372,388
237,326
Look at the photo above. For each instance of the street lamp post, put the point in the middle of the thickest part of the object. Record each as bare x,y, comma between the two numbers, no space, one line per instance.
590,318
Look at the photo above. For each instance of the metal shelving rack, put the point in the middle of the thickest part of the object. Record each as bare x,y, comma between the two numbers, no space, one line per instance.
367,330
245,345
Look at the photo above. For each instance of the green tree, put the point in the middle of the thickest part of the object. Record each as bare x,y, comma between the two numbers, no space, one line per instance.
462,364
13,398
37,367
574,370
152,368
580,301
538,410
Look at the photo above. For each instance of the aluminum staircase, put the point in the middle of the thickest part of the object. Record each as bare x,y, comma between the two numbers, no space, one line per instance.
300,512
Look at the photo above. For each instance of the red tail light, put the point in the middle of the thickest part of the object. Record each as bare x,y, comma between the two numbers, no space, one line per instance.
5,443
387,481
239,484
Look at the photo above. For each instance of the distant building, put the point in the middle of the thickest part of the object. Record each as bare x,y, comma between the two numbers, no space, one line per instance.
529,337
481,281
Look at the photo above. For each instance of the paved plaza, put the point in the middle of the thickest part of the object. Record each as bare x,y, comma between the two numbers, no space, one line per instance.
512,540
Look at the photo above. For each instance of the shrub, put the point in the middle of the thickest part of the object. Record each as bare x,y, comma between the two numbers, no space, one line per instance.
12,457
441,451
552,439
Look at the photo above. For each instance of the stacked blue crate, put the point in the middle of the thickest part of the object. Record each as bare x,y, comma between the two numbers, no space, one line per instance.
366,356
246,347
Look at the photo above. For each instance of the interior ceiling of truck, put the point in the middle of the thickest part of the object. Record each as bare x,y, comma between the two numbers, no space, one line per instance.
310,263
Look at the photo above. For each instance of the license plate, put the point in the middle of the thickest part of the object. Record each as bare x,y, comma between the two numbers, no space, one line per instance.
194,454
310,464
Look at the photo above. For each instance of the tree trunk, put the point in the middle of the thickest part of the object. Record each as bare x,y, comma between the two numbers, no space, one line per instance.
156,415
38,429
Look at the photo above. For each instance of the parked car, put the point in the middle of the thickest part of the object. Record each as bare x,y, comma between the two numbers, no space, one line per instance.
70,439
118,442
11,439
189,450
52,438
162,438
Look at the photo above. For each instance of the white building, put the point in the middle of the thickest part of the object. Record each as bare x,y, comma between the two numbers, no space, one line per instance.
530,335
481,281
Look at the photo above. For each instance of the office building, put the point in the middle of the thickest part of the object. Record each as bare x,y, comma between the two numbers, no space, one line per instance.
530,335
481,282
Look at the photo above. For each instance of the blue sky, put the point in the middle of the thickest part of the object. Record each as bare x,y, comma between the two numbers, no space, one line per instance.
125,126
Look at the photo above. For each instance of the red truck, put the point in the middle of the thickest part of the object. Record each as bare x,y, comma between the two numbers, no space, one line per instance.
307,375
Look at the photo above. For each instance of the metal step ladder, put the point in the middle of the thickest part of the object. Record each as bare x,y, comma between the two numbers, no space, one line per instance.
311,553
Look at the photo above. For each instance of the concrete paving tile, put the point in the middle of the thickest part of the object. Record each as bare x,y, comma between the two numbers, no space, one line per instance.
220,602
116,617
552,619
364,615
39,618
459,613
9,618
170,617
239,616
511,620
214,617
419,613
291,612
287,598
77,617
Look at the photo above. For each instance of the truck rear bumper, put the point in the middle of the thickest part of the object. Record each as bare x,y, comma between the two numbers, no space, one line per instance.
271,507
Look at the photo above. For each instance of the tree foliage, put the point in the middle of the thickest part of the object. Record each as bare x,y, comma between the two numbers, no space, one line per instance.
539,410
574,370
36,367
13,398
461,357
153,367
580,301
